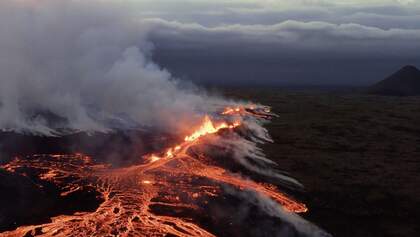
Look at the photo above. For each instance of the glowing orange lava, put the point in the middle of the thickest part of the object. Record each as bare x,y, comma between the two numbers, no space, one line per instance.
207,128
129,193
229,110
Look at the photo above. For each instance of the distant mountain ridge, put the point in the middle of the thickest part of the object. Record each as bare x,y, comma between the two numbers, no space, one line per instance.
405,82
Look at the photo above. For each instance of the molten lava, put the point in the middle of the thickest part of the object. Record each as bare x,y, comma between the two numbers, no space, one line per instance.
208,128
171,180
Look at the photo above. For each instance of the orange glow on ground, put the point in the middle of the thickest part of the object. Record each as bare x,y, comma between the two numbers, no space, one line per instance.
130,192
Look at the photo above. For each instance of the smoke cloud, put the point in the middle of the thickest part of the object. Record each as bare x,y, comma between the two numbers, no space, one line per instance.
71,66
294,224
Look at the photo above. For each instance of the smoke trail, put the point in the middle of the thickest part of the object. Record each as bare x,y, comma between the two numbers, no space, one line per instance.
294,224
70,66
85,66
251,157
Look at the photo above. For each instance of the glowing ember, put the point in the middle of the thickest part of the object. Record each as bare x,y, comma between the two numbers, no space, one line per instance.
129,193
208,128
154,158
230,110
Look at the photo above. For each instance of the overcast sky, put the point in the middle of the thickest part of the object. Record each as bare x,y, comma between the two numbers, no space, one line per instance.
283,42
274,42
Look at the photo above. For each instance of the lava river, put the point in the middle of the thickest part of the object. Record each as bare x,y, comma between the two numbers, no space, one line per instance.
153,197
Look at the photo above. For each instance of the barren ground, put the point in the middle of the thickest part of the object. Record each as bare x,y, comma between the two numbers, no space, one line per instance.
358,157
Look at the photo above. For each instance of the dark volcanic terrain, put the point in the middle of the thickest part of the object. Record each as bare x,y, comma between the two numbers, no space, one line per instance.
405,82
358,157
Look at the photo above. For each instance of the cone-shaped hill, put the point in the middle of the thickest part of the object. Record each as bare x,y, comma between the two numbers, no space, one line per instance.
405,82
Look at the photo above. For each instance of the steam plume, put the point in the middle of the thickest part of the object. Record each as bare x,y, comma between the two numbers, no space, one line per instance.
70,66
83,66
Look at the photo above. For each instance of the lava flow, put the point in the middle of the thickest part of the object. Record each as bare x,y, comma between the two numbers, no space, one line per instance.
154,197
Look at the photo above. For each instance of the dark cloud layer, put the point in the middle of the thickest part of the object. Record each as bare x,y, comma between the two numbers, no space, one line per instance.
316,42
290,52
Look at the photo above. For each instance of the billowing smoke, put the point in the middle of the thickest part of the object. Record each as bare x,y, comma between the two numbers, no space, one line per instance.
247,153
293,225
70,66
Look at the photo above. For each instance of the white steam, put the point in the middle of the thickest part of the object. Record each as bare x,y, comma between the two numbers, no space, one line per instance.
69,66
246,151
291,220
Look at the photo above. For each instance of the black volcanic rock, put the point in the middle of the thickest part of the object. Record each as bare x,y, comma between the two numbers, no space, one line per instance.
405,82
26,200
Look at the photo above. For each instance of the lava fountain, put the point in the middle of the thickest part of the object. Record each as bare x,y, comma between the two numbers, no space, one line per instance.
165,192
